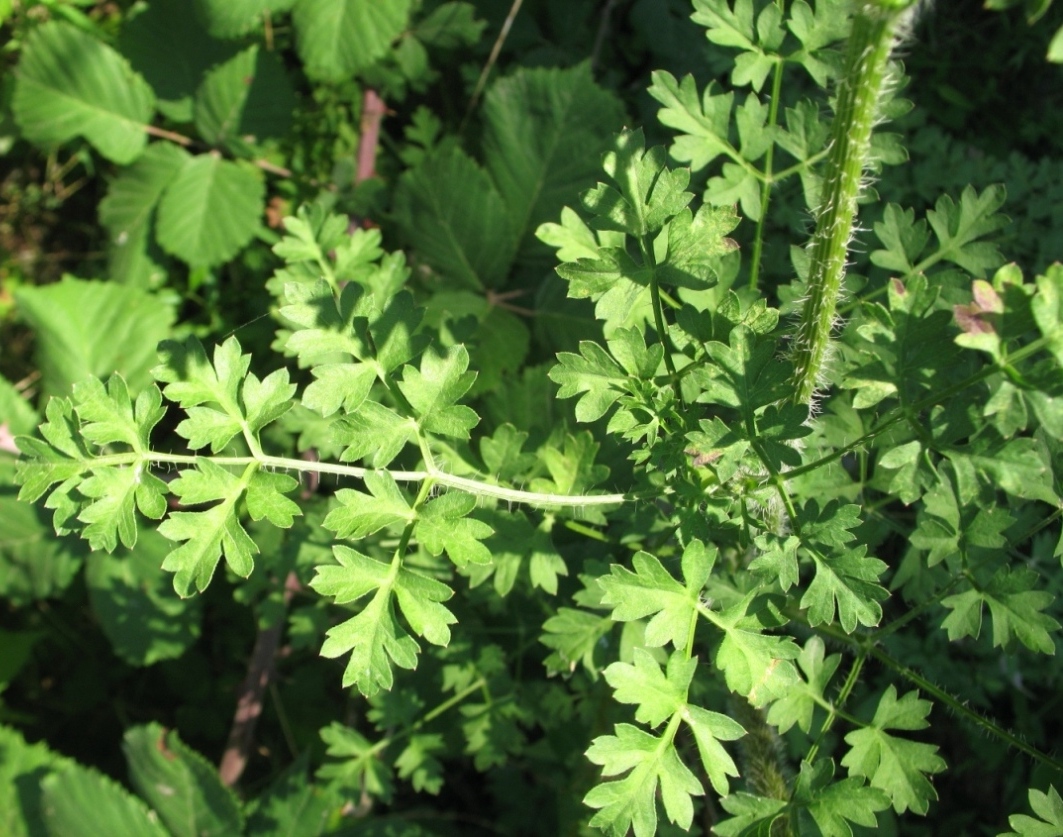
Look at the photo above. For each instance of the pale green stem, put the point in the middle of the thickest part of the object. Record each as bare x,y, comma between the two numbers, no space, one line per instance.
860,90
765,187
480,489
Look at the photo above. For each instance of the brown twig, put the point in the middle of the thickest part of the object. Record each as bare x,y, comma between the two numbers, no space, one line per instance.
373,113
188,142
603,30
260,670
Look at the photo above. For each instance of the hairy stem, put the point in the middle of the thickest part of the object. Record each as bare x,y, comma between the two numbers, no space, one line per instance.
860,91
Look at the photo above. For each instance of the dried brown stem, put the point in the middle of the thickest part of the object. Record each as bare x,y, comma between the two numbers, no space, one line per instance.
260,671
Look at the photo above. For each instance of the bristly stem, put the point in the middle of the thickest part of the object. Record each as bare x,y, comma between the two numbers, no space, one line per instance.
860,91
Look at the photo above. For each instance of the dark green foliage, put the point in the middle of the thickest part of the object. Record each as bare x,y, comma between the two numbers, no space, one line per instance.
459,430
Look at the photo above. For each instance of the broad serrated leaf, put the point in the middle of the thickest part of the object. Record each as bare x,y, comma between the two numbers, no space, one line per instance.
70,84
128,210
134,603
172,50
652,591
338,38
183,787
78,800
245,100
471,241
896,765
544,132
68,318
210,210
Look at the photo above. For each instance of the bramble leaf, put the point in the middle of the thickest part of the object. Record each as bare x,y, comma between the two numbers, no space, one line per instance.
895,765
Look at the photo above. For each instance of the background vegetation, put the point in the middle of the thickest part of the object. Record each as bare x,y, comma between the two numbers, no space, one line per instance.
450,132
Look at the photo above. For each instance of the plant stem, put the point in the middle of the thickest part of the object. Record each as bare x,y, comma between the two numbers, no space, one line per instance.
765,186
860,90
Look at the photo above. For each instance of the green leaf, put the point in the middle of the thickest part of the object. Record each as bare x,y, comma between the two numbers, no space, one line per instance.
207,535
472,240
172,50
631,802
433,390
245,100
544,133
647,192
1016,608
895,765
22,768
595,374
182,787
70,84
375,432
210,210
750,815
835,804
80,802
34,563
443,524
374,637
337,39
755,664
1047,806
573,635
233,18
294,806
362,768
363,514
265,498
652,591
133,600
846,579
657,696
703,124
69,317
799,702
129,208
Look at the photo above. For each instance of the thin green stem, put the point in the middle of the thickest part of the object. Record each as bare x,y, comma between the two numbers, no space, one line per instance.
430,716
766,184
431,473
658,313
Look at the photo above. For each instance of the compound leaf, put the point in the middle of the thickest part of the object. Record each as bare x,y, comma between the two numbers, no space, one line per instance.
895,765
